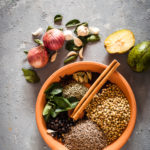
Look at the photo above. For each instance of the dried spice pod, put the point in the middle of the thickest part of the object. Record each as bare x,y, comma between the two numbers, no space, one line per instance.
81,79
89,75
85,79
75,77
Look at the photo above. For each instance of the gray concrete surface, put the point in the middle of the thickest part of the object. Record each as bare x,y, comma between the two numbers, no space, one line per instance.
18,18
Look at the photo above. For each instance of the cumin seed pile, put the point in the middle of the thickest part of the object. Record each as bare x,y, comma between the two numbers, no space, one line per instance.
85,136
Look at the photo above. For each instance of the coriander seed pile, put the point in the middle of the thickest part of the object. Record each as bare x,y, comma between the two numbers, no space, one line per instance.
111,111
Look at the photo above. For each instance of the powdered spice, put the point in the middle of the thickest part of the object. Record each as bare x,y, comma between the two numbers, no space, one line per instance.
85,136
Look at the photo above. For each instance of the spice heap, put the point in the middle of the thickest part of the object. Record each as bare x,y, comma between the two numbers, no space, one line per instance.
85,136
111,111
74,89
59,125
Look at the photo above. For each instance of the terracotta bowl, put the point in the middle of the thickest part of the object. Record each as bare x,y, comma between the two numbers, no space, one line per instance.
116,78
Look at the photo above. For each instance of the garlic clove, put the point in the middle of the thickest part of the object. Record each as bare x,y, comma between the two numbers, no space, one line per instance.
81,53
71,53
53,58
49,131
82,31
77,42
68,35
38,32
94,30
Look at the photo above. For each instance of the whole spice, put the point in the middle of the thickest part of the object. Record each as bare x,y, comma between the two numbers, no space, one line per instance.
82,77
85,136
111,111
38,57
59,125
53,39
38,32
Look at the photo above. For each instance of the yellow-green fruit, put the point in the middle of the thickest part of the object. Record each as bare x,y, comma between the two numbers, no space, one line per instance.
120,41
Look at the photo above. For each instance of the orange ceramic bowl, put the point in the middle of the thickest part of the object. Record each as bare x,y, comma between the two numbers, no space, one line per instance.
116,78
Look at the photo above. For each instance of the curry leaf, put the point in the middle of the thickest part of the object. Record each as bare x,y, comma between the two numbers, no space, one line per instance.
71,47
58,18
49,28
74,104
62,102
47,109
72,99
72,23
56,91
25,51
38,42
93,38
83,39
54,113
30,75
52,87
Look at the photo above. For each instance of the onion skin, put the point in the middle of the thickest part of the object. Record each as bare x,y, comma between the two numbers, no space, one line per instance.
38,57
53,39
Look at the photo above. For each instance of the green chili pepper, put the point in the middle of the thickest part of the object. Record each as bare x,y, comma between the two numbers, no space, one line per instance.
70,59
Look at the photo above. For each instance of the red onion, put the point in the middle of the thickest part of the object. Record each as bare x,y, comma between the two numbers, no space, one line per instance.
38,57
53,39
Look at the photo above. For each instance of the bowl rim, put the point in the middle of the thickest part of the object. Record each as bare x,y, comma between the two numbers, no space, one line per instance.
119,143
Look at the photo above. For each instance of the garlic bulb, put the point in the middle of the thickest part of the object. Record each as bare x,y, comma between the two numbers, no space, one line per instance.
77,42
82,31
68,35
38,32
94,30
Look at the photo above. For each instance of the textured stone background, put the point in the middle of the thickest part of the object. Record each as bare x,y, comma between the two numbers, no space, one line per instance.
18,18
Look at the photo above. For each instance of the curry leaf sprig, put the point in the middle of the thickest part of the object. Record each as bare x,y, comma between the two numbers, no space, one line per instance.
56,103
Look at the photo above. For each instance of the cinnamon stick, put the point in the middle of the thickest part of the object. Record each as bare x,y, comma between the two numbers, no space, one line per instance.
94,89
